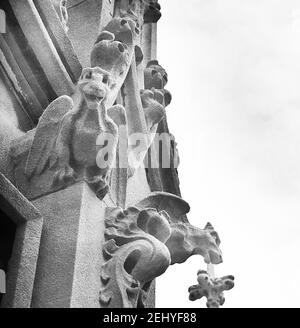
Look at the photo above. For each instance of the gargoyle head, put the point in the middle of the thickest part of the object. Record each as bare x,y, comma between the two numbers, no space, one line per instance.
155,76
94,84
152,11
187,240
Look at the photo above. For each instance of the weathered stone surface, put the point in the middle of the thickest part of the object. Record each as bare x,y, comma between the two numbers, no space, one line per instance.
86,19
60,7
69,259
55,18
22,266
36,34
211,288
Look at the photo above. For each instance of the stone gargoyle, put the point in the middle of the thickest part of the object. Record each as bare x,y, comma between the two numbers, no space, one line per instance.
142,241
67,135
152,12
113,51
153,101
155,98
211,288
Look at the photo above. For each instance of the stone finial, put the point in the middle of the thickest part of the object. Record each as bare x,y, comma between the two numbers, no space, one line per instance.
211,288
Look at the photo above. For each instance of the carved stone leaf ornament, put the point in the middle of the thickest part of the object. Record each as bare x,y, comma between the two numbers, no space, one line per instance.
135,254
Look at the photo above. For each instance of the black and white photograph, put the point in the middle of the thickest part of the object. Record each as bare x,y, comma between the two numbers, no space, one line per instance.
149,157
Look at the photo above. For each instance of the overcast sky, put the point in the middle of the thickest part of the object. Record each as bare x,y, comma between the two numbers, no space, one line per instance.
234,73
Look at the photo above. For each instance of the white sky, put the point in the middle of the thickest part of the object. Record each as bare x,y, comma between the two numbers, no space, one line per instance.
234,73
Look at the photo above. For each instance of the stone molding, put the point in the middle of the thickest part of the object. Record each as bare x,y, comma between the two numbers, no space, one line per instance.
22,266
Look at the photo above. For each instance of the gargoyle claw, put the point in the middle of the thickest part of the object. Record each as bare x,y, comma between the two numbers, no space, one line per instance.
65,175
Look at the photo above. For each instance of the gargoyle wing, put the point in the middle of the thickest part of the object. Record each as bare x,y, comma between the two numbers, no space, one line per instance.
175,206
46,134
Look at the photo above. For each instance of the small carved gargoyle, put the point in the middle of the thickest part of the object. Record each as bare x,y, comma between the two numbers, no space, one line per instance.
154,102
211,288
66,135
155,98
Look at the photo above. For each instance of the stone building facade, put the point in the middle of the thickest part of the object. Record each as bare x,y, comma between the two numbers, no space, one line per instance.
91,211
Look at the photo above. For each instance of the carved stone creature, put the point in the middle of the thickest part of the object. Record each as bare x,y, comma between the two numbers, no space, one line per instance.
141,243
113,51
187,240
61,8
66,135
155,76
154,102
147,10
155,98
152,12
211,288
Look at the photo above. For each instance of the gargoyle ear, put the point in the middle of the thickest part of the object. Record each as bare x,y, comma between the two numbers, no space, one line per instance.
175,206
105,35
213,233
167,97
152,62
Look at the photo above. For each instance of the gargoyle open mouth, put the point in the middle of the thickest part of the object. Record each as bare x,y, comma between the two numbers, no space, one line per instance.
94,98
215,257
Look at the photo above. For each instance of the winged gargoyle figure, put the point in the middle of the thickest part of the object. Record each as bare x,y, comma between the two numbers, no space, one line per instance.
66,136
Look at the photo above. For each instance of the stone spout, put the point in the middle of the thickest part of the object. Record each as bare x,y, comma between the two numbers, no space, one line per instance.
187,240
